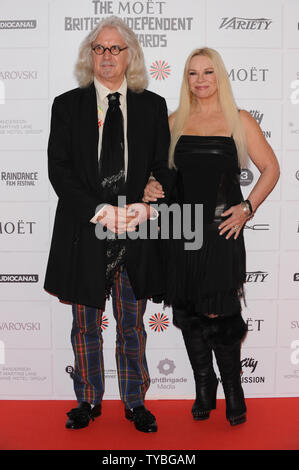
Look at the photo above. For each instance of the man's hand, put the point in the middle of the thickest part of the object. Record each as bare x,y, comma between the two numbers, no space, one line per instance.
153,191
138,213
115,219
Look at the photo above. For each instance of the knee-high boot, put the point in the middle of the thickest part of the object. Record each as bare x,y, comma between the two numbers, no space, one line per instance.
229,364
200,356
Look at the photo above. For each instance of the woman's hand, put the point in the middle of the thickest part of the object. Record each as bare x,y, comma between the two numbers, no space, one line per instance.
234,223
152,191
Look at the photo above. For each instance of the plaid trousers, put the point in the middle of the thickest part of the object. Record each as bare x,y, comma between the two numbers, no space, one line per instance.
87,342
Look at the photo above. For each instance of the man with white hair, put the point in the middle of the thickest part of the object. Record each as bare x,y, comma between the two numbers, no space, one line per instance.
107,137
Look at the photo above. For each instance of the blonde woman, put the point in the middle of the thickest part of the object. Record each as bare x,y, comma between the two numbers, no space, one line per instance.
210,141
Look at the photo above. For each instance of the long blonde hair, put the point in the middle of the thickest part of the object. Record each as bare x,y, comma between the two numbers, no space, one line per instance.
136,74
226,100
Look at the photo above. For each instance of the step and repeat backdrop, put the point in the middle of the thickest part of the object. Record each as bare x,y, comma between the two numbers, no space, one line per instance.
39,41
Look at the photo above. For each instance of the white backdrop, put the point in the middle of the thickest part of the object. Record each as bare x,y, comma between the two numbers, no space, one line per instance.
39,41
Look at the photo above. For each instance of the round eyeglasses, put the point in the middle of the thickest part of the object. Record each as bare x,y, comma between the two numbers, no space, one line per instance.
114,50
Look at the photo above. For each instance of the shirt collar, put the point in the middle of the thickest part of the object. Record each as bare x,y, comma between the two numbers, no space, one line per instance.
103,91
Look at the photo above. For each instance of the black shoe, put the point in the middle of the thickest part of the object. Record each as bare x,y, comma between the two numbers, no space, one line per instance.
201,359
79,417
228,360
143,419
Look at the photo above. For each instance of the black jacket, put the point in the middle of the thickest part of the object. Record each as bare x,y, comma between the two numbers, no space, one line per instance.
77,259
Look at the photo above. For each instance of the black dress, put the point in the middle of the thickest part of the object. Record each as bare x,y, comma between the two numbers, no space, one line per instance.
208,280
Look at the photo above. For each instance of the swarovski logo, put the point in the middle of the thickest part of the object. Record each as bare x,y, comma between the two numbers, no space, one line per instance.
18,326
19,75
245,23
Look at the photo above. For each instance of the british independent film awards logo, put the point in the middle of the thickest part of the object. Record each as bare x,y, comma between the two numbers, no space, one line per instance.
160,70
159,322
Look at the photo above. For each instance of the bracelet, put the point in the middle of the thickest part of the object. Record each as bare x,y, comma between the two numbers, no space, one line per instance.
246,208
249,205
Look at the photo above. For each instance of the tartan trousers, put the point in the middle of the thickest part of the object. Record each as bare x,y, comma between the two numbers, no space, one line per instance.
87,342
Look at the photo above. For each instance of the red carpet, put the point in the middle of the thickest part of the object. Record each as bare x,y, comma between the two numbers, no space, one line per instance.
273,424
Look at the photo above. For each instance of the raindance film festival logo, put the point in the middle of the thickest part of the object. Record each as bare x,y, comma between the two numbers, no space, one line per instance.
246,23
167,367
19,178
160,70
18,24
159,322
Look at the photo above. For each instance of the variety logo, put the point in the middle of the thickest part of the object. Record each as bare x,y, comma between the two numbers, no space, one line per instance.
166,366
246,23
18,24
160,70
104,323
159,322
256,276
28,278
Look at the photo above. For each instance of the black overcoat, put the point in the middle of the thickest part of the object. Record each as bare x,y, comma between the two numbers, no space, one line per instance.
77,259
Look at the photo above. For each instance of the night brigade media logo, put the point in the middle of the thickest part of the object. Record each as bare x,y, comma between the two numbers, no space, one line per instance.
159,322
160,70
166,366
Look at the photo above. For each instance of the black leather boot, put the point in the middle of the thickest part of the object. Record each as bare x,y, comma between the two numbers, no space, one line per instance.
229,364
200,355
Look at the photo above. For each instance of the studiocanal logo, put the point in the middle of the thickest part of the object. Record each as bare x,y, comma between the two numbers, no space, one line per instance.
18,24
297,175
159,322
14,278
236,22
160,70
